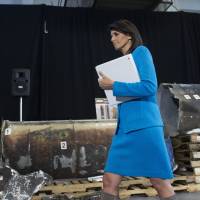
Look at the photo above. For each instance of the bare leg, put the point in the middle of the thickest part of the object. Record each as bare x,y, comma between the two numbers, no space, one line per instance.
163,187
111,183
110,188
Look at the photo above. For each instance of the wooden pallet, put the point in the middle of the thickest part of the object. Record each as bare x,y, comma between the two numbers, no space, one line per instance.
125,193
187,152
129,186
187,165
152,192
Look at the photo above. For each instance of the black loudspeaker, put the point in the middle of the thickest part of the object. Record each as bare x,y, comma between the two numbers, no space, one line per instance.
20,82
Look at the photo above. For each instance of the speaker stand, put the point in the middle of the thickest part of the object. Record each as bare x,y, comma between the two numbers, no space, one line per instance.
20,108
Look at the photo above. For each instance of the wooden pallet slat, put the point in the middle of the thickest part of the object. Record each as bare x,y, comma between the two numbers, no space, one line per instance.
186,146
148,192
189,163
184,169
185,138
187,155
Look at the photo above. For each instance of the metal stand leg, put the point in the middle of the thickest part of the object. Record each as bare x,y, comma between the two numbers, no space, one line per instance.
20,105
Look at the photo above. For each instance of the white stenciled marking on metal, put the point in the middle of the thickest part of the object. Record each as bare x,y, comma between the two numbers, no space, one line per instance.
187,96
63,145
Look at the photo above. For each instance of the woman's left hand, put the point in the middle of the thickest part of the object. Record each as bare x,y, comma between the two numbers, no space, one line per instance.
105,82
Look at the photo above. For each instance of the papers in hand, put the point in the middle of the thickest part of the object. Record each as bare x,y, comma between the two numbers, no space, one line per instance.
122,69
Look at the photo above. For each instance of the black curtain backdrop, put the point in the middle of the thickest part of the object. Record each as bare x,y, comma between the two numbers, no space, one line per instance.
62,46
20,44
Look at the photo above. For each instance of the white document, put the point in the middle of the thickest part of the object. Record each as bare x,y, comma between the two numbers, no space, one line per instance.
122,69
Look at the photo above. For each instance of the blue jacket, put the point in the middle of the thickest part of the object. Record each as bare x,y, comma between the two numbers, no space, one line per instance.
143,111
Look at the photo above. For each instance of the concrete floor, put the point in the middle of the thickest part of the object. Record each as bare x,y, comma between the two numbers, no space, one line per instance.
180,196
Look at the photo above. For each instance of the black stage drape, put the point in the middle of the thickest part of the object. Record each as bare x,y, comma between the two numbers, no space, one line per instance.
62,46
20,43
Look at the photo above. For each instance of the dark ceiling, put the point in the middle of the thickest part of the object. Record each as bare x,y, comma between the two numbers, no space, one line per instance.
127,4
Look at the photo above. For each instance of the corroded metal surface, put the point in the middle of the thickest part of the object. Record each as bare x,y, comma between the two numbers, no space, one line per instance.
180,107
63,149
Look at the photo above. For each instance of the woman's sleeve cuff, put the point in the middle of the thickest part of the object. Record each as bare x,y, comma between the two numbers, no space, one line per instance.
115,88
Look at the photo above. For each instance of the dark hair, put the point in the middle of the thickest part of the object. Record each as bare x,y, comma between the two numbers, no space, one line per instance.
126,27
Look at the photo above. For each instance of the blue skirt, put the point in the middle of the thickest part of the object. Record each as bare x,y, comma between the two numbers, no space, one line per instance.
139,153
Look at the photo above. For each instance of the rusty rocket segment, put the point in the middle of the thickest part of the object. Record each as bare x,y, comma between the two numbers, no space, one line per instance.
180,107
63,149
93,141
